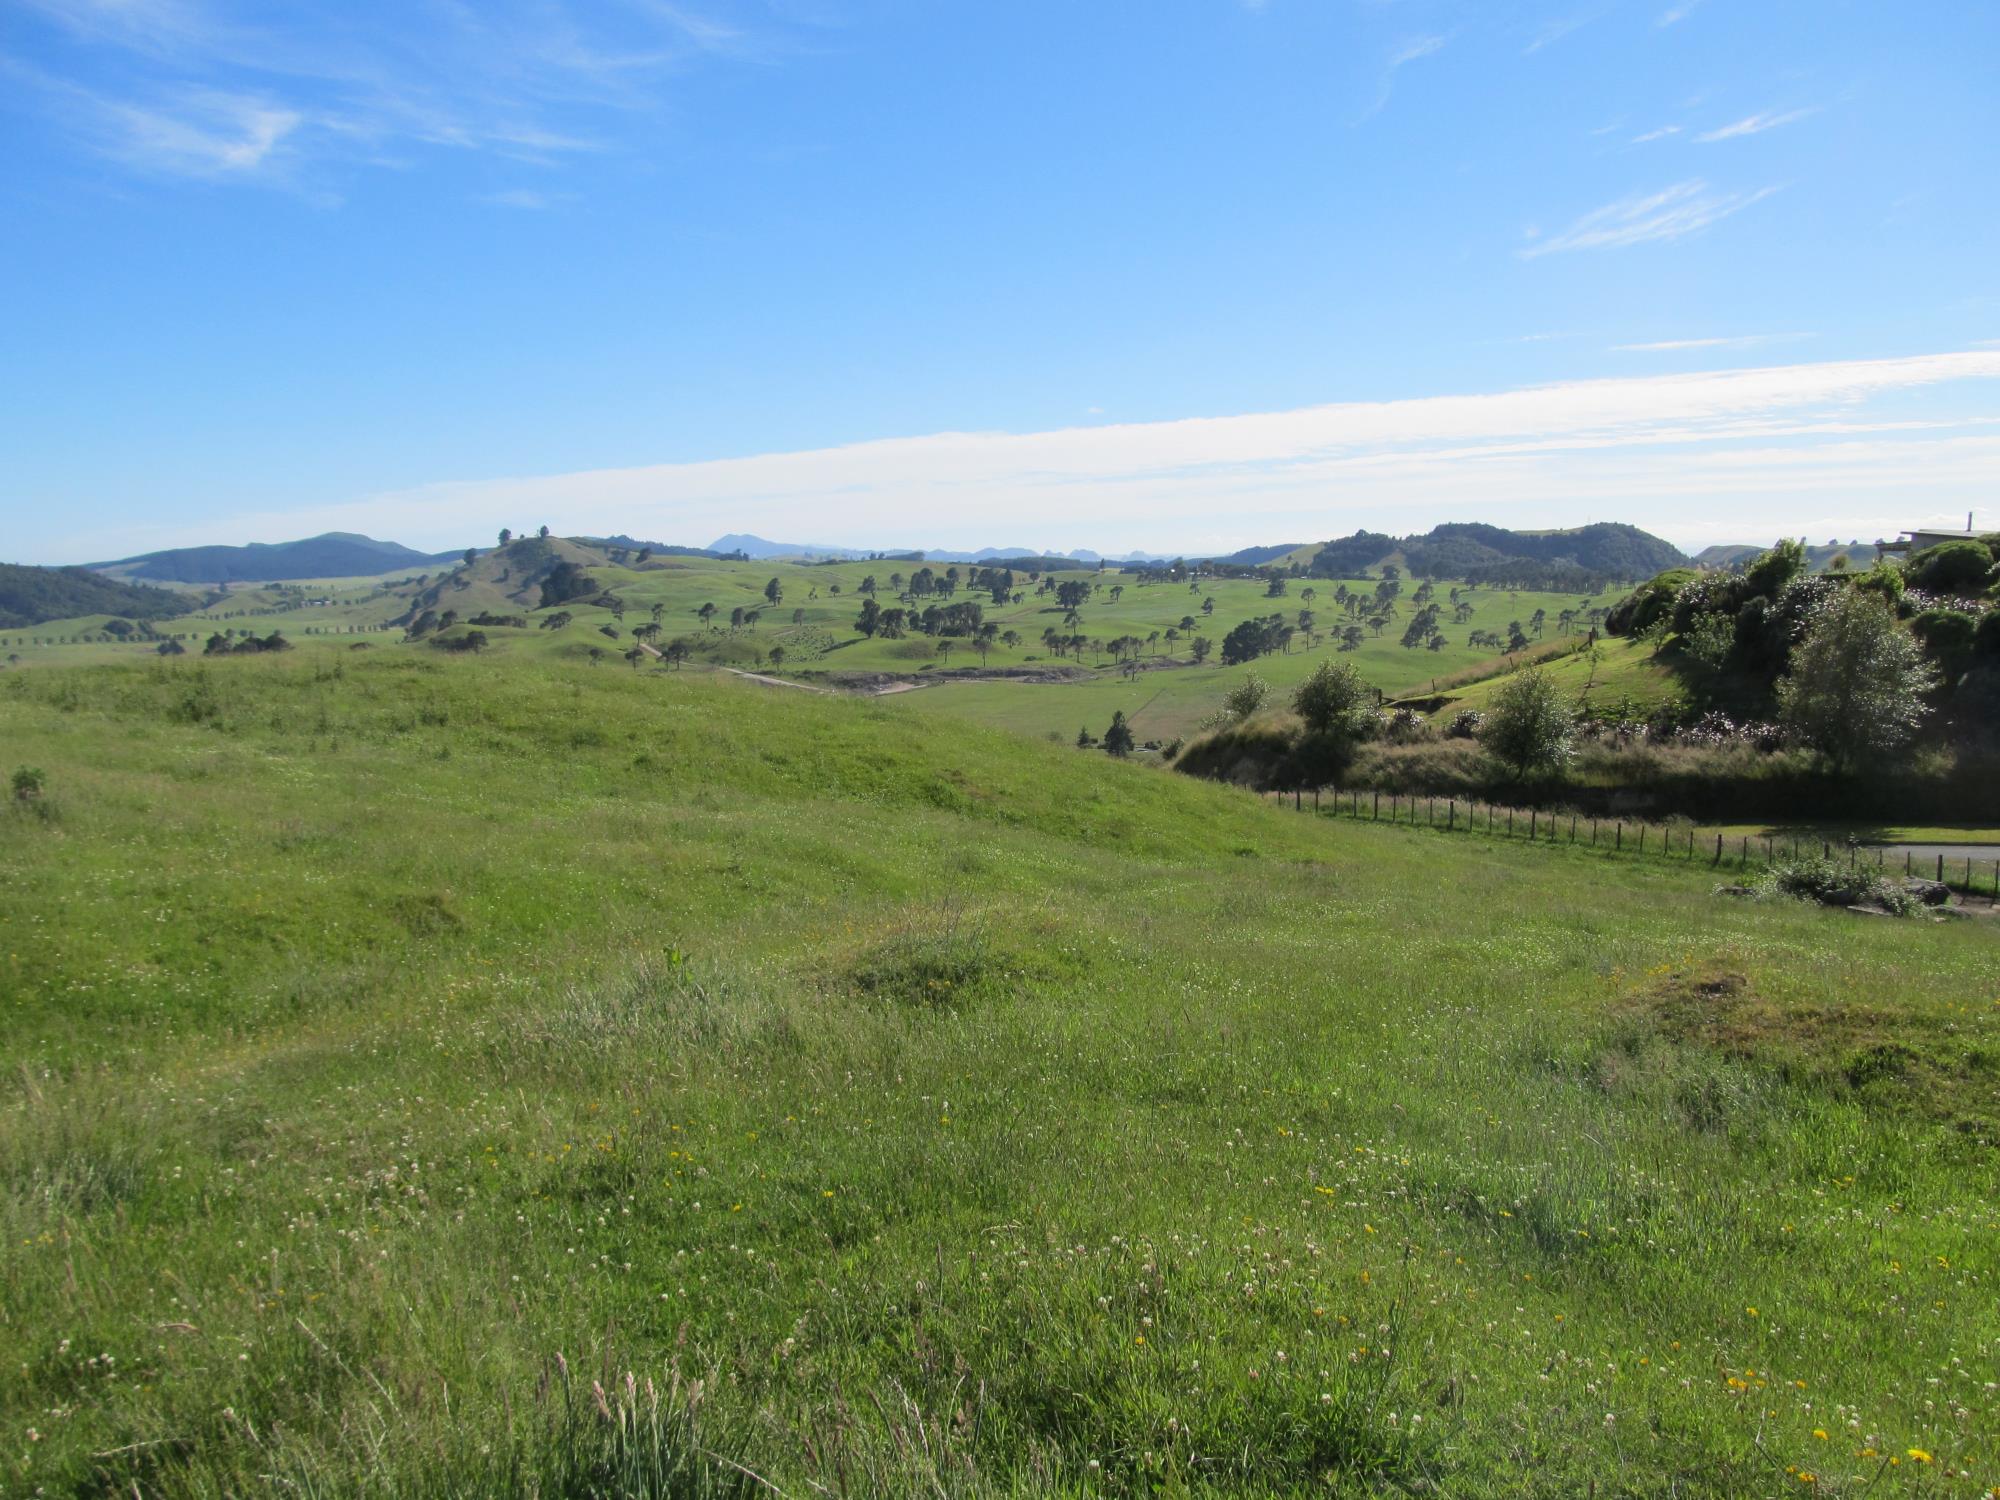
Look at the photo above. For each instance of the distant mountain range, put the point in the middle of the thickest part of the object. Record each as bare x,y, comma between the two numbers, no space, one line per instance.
758,547
336,554
658,549
1467,550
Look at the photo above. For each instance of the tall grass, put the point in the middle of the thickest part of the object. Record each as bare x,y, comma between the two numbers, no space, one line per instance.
966,1116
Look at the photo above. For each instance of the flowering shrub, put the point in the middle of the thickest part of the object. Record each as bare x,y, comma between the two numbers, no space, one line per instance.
1715,730
1465,724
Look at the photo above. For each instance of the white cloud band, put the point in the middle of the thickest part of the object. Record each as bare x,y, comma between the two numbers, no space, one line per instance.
1848,446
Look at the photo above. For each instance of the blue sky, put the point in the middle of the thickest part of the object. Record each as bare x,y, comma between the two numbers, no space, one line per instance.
1175,274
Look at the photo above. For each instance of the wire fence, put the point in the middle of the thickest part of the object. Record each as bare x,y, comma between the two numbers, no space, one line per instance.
1636,838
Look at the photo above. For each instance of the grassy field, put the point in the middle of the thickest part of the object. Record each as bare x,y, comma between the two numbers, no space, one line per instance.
1165,699
402,1045
1615,674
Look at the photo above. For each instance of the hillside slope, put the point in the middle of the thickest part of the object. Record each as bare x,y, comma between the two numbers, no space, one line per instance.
336,554
31,596
1483,553
403,1023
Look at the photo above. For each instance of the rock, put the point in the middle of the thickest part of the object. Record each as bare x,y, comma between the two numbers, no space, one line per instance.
1930,892
1733,890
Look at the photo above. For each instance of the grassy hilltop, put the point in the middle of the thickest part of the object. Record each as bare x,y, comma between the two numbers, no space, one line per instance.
911,1108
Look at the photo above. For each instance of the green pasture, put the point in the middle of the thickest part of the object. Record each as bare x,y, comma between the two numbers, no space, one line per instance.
1613,673
460,1075
1167,697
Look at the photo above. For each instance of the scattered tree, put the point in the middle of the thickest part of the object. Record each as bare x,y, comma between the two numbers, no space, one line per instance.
1331,699
1531,724
1856,690
1243,700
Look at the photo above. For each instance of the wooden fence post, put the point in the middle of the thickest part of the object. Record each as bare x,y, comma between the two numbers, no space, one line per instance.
1940,869
1451,815
1620,844
1718,849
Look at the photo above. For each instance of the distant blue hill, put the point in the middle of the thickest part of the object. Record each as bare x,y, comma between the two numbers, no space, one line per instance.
759,547
337,554
1256,557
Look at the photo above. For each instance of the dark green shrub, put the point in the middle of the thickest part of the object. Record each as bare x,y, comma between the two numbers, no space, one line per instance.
1827,881
1963,569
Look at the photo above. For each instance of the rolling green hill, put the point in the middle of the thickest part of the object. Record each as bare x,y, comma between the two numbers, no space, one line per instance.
1020,683
336,554
1485,553
34,596
696,1082
1617,674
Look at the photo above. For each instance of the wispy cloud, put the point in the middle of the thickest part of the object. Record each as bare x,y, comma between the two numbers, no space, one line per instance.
1678,13
1555,31
1416,47
203,132
526,198
1670,214
1412,49
1656,135
215,88
1753,125
1772,448
1735,341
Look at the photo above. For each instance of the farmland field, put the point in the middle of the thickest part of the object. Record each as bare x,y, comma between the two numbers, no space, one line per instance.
914,1108
1166,696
